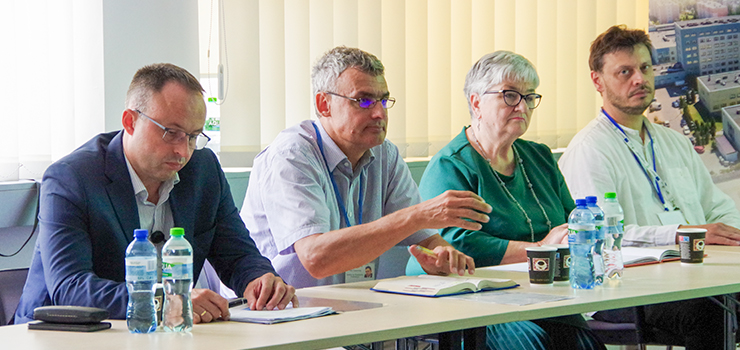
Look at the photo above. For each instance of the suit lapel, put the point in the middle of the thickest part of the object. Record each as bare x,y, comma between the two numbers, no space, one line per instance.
120,190
183,213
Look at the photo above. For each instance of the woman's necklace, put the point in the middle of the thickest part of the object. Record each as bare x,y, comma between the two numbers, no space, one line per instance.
526,178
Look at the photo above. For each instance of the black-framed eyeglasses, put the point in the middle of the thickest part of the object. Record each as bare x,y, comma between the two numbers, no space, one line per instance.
513,97
174,136
386,102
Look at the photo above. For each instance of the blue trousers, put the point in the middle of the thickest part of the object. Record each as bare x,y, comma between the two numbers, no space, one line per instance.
544,334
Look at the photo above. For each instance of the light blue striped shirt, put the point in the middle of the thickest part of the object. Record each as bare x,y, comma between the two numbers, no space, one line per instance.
290,195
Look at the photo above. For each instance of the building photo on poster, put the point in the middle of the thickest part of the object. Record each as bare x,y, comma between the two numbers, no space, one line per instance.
696,54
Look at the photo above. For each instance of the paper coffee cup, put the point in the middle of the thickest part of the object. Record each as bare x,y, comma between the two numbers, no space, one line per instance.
562,261
691,244
541,264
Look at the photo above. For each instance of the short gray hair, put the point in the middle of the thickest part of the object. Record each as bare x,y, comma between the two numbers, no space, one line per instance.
152,78
496,68
327,69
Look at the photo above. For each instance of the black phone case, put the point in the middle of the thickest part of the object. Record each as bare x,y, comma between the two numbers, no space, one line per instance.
69,327
69,314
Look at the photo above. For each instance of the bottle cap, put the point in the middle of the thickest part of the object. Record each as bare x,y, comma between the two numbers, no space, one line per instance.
591,199
141,233
610,195
580,202
177,231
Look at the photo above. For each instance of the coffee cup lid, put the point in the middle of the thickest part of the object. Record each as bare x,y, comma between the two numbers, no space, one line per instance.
691,230
542,249
558,246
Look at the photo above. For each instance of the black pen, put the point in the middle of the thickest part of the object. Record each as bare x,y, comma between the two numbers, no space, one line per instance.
237,302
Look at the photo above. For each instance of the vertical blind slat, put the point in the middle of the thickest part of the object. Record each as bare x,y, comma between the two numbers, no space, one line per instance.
427,47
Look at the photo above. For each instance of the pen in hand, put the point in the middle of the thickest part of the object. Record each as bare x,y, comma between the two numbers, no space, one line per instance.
241,301
426,251
237,302
429,252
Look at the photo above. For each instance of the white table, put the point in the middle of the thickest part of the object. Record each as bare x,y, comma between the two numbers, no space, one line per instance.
405,316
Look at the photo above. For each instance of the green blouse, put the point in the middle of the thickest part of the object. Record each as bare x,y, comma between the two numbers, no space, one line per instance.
458,166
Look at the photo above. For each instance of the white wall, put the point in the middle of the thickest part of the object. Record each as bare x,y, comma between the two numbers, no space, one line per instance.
16,222
141,32
135,33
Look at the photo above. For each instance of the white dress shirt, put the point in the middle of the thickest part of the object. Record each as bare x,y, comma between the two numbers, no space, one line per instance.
597,160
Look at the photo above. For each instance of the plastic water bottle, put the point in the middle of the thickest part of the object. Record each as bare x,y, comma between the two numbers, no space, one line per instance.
614,217
177,278
581,238
599,267
141,275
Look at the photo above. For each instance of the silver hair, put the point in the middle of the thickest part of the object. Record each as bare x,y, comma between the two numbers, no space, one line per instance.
327,69
496,68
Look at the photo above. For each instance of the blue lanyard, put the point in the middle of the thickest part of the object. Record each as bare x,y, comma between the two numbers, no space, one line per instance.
340,202
656,179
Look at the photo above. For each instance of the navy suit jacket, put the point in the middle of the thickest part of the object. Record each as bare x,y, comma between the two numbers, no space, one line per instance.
87,217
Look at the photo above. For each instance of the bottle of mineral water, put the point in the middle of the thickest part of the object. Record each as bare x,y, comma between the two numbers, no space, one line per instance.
599,267
581,238
614,219
141,275
177,280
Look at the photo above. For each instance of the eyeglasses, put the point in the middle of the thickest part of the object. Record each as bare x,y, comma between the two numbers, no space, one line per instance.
173,136
513,97
386,102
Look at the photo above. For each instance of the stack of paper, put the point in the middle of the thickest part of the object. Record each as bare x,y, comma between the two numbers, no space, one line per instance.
244,314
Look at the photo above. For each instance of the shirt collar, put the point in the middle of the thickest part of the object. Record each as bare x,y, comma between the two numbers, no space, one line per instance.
631,133
335,156
140,190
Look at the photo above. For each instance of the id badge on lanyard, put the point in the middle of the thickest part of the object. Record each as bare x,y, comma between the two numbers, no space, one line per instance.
671,214
363,273
366,271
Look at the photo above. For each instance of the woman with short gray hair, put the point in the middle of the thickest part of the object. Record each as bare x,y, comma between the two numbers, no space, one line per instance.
522,182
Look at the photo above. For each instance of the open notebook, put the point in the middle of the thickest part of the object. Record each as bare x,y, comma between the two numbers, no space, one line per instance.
634,256
437,286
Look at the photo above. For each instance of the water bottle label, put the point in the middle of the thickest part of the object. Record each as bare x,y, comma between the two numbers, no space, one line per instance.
177,267
141,269
581,236
600,224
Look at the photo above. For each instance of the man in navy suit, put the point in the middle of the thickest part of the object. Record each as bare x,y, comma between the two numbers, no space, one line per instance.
153,174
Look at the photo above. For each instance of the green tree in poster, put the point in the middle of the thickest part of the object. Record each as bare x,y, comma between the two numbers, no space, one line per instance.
683,105
690,96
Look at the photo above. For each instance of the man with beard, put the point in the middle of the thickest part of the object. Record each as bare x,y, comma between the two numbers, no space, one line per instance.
661,183
329,197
